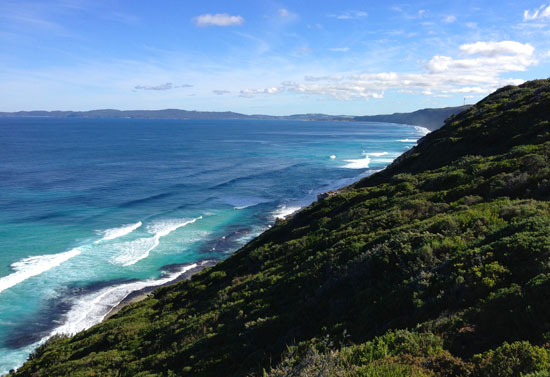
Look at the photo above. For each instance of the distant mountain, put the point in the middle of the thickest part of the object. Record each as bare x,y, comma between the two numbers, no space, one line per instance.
146,114
429,118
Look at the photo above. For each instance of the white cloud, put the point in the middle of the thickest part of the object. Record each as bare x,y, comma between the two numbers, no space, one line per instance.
286,14
324,78
219,19
498,48
166,86
442,75
220,92
248,93
449,19
349,15
339,49
542,12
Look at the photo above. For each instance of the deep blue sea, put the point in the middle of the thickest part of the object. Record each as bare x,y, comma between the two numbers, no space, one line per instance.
93,209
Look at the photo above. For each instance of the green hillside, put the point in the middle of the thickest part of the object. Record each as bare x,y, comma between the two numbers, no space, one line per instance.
429,118
437,266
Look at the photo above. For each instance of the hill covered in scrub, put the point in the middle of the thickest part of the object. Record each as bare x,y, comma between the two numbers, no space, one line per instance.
437,266
432,119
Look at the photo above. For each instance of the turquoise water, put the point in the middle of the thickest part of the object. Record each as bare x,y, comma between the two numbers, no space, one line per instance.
92,209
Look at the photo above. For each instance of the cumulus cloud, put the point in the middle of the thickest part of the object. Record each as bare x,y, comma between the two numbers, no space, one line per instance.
166,86
221,92
542,12
480,73
219,19
498,48
349,15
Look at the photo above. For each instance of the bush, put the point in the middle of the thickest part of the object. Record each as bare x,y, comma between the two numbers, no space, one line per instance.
513,360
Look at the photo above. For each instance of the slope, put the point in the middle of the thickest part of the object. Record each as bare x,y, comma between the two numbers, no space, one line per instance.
452,242
429,118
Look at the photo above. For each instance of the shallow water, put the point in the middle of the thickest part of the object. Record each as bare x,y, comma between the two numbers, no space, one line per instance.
92,209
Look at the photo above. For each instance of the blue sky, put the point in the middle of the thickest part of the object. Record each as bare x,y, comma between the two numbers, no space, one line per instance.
268,57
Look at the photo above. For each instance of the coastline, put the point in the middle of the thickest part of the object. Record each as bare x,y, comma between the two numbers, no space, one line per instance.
82,307
142,294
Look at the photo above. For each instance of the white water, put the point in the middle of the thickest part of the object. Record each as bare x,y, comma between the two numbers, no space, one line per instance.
113,233
32,266
422,130
378,154
361,163
91,309
132,252
283,211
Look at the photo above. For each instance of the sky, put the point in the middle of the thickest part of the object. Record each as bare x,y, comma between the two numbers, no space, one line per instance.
267,57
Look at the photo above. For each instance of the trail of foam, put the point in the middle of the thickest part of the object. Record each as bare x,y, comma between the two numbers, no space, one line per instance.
378,154
361,163
136,250
407,141
422,130
91,309
113,233
32,266
284,211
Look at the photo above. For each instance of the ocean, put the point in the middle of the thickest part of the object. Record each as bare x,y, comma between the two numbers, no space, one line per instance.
93,209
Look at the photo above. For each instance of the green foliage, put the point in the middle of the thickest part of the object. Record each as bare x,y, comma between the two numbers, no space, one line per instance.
514,359
452,241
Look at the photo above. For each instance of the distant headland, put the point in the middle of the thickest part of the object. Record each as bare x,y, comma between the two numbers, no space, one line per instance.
429,118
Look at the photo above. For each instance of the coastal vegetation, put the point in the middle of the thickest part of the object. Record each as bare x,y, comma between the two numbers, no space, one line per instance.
437,266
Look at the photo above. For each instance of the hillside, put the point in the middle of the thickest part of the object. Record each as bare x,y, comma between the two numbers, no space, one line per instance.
429,118
432,119
144,114
437,266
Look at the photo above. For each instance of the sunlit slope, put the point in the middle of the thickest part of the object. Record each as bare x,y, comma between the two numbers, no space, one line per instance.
451,242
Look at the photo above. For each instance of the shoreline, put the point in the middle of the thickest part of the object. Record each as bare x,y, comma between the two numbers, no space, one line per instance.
142,294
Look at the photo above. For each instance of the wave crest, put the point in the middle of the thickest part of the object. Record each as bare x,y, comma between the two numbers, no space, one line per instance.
32,266
113,233
136,250
361,163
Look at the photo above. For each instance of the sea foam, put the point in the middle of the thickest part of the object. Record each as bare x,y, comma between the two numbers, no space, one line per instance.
283,211
32,266
361,163
378,154
132,252
422,130
92,308
113,233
